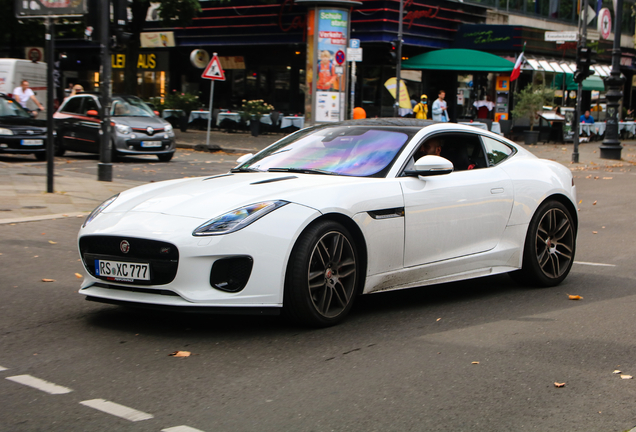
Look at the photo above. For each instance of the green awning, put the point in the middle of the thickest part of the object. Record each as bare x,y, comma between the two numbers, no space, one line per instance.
459,60
593,82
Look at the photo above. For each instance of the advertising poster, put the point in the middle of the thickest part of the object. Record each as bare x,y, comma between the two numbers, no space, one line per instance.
39,8
327,106
332,38
309,79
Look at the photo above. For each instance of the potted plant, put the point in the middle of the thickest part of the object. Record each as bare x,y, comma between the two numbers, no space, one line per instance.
185,102
528,102
252,111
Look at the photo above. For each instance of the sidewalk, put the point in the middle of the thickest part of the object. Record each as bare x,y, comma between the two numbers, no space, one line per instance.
23,185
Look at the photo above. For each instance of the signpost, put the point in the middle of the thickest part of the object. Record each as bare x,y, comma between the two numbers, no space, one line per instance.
213,72
354,55
49,11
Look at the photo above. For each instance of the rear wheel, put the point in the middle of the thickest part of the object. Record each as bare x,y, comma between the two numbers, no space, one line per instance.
322,275
550,246
165,157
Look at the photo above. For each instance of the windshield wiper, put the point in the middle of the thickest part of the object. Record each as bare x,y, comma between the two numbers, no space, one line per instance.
302,171
236,170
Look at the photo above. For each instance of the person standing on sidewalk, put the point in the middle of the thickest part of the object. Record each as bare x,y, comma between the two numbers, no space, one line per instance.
421,109
24,93
440,112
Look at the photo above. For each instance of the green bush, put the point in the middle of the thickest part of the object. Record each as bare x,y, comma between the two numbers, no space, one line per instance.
255,108
182,101
531,100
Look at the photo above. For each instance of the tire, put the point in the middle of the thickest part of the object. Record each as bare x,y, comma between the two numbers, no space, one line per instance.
58,148
549,247
322,276
114,156
165,157
41,156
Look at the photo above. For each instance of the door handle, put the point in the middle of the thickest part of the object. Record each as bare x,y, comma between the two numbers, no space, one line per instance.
496,190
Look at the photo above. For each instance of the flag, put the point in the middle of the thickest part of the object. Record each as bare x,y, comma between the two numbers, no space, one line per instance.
516,71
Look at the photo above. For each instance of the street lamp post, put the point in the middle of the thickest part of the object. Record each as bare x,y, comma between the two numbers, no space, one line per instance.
611,147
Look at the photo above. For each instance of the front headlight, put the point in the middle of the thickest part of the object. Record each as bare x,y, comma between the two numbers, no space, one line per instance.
168,128
237,219
123,129
99,209
5,131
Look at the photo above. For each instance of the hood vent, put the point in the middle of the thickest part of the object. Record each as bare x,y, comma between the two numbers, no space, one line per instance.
274,180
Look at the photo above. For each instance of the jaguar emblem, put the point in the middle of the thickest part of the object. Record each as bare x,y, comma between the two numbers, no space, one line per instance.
150,130
124,246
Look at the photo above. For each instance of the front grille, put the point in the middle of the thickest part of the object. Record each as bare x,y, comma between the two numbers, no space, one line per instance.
145,131
163,257
23,131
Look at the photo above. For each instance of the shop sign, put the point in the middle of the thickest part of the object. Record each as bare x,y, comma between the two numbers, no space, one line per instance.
49,8
486,37
412,15
626,61
145,61
157,39
298,22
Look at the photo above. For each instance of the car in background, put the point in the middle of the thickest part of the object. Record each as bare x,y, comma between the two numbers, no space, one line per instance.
137,130
331,212
20,132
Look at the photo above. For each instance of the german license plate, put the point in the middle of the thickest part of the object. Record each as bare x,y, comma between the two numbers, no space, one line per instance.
122,271
32,142
151,143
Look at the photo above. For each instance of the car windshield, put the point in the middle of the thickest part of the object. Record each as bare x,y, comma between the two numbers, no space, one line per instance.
130,107
10,108
343,150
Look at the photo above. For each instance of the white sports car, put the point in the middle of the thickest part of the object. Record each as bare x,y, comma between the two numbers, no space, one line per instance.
331,212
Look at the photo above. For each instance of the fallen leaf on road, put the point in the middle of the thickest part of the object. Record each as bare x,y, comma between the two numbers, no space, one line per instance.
180,354
626,377
438,319
556,384
607,178
52,242
594,203
48,280
580,201
575,297
475,363
77,275
616,371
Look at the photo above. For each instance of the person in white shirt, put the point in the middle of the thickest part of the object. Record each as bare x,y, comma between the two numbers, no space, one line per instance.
439,107
23,93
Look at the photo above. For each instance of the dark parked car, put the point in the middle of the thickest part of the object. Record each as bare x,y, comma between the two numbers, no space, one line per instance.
136,128
20,132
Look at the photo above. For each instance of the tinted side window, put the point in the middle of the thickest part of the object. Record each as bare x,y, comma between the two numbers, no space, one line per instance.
73,106
464,150
496,150
89,104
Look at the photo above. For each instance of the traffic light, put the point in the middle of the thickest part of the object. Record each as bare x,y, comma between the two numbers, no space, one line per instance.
393,52
584,61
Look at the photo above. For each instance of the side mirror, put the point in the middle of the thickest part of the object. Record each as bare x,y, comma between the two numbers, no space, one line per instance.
244,158
156,113
430,165
92,113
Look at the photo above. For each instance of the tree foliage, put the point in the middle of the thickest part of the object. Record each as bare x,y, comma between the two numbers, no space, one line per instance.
531,100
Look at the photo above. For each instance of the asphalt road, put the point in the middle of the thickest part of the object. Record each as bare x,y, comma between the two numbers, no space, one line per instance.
403,361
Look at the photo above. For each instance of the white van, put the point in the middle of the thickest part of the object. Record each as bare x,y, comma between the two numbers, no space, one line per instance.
13,71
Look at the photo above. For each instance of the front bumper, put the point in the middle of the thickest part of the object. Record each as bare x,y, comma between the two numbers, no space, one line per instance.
267,241
20,143
161,143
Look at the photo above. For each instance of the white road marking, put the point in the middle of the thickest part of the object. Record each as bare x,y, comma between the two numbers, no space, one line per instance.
39,384
117,410
595,264
181,429
3,369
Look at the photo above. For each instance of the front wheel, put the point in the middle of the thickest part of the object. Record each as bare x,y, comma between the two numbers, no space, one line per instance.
550,245
322,275
165,157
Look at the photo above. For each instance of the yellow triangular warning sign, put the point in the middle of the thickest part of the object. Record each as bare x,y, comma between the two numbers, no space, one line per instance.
214,71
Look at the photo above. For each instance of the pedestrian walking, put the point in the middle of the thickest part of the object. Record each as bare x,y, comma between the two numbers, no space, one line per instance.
440,112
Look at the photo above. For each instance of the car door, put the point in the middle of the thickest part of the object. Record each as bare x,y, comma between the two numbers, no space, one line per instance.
457,214
88,127
66,123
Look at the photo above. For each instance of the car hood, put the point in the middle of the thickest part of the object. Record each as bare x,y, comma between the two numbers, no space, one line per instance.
209,197
140,122
21,121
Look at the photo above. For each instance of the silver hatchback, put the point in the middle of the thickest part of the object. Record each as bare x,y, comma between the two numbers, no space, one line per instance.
136,128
